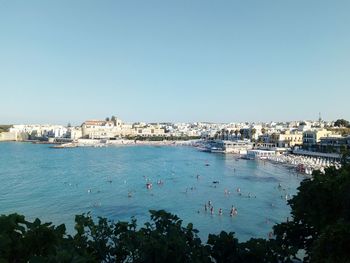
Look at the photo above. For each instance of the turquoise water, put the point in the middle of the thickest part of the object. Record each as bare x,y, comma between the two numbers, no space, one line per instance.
56,184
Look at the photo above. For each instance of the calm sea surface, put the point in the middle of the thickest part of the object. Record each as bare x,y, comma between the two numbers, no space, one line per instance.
56,184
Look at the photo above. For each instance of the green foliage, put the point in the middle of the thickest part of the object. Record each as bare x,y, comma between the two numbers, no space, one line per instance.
225,247
320,210
341,123
5,128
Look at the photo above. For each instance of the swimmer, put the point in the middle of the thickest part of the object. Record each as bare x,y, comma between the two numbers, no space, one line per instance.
205,208
232,211
220,212
238,190
209,203
89,191
212,210
129,194
235,212
198,176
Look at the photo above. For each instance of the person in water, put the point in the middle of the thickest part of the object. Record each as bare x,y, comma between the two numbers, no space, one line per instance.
205,207
232,212
220,212
212,210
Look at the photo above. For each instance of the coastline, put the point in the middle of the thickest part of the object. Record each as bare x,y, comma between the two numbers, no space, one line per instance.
124,142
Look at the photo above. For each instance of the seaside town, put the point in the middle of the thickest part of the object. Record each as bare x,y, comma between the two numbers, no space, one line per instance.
303,145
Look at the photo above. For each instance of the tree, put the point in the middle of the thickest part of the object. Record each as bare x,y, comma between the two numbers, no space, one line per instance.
236,133
321,217
275,137
341,123
231,133
107,119
241,131
223,134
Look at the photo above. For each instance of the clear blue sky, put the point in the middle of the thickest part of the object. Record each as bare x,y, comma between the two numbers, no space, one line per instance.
181,60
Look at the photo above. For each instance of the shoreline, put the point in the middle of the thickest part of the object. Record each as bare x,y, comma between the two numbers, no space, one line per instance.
301,164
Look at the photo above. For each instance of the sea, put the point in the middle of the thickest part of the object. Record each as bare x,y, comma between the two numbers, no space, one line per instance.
57,184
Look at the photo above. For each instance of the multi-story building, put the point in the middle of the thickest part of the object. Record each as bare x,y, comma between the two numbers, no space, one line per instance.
313,137
289,139
149,130
74,133
97,129
335,143
39,131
